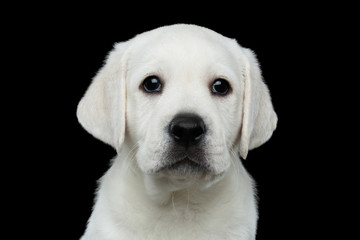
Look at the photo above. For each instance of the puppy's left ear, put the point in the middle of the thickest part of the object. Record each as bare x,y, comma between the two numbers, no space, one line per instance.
102,109
259,118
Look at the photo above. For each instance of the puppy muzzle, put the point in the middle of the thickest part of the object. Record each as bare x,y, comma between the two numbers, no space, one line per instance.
186,154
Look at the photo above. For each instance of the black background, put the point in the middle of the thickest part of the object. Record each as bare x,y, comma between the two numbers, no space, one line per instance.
59,50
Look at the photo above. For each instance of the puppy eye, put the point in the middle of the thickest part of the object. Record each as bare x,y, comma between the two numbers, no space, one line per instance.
220,86
152,84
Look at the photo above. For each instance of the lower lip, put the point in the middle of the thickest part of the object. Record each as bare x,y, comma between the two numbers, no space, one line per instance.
185,163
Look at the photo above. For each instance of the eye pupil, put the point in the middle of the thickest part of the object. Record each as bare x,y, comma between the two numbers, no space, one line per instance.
220,86
152,84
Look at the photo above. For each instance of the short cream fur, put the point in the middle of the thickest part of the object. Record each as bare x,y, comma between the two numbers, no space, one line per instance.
136,199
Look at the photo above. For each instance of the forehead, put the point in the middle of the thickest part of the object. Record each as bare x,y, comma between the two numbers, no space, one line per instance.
184,51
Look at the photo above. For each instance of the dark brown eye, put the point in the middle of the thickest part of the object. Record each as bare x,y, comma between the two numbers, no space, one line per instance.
220,87
152,84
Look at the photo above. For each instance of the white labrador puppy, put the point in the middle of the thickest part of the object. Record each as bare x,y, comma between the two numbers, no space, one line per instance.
179,104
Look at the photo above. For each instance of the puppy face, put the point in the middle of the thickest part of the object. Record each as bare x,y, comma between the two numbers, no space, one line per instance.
184,98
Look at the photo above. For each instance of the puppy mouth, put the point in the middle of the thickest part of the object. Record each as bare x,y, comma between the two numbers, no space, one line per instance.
184,163
185,166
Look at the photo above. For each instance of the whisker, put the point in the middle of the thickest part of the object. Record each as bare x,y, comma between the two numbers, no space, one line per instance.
188,200
132,156
234,163
173,202
157,147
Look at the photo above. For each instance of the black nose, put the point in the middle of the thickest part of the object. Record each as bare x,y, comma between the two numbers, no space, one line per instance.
187,129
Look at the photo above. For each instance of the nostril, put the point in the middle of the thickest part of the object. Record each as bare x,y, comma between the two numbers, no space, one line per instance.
198,131
187,129
176,131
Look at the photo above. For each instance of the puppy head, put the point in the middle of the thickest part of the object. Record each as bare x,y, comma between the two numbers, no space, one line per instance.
190,99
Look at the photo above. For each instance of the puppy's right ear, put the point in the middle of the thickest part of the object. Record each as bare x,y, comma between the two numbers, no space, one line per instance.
259,118
102,109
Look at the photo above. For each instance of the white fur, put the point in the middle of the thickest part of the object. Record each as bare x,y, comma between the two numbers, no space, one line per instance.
135,200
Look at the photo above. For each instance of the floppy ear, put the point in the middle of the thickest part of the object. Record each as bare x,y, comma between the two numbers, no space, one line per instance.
259,118
102,109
